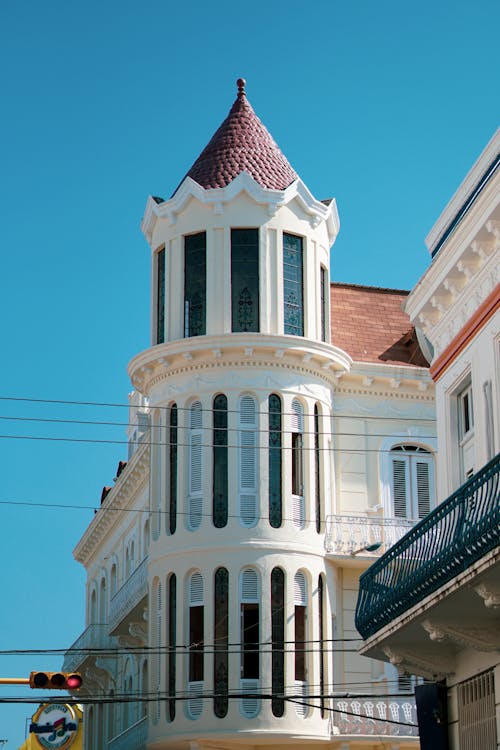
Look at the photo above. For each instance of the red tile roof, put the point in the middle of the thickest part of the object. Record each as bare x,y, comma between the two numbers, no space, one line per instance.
369,324
242,143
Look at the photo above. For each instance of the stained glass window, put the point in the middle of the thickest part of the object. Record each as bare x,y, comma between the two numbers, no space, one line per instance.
220,461
195,284
244,280
293,285
275,458
221,632
278,641
160,296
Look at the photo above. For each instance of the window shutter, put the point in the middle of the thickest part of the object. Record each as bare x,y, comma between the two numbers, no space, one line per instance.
423,488
196,590
297,416
399,483
300,589
195,466
298,511
249,586
248,461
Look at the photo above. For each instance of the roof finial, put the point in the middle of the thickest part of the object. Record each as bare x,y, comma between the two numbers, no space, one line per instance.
241,83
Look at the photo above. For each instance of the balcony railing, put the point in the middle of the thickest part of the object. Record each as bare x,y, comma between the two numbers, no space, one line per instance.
132,738
95,637
129,595
456,534
377,717
346,534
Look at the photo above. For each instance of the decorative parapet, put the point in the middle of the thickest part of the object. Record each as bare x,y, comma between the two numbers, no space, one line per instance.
129,595
369,716
454,536
133,738
93,640
345,535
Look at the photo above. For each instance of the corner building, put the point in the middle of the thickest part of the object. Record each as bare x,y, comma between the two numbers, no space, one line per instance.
263,463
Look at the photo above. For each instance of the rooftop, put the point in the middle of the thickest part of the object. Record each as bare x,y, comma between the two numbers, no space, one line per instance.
369,324
242,143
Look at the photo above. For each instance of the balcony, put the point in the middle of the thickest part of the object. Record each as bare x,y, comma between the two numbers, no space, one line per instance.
456,535
125,604
132,738
94,639
360,716
346,534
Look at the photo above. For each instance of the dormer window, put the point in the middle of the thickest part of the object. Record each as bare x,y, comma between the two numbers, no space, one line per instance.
293,285
244,280
195,284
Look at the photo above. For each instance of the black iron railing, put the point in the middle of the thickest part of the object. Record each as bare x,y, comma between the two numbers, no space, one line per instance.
446,542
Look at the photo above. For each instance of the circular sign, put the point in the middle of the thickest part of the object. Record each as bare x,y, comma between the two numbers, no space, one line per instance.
55,726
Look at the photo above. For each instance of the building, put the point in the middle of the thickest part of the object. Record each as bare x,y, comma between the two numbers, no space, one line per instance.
442,621
282,435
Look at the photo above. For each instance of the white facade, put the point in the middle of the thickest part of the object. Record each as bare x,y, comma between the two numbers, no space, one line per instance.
451,631
223,564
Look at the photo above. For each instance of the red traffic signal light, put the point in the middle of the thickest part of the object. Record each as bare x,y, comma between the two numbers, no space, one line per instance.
56,680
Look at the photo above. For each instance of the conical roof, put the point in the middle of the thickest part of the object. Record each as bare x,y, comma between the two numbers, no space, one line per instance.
242,143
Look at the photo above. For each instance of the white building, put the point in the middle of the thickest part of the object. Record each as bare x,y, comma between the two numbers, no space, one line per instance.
443,620
279,426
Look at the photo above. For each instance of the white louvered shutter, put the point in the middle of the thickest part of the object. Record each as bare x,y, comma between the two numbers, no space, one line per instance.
300,589
195,466
196,590
249,586
400,488
248,461
424,486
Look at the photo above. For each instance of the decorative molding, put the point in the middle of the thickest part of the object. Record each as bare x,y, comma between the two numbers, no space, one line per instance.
489,595
436,666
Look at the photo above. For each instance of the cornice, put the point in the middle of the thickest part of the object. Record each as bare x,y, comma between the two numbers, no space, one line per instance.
236,351
120,498
217,198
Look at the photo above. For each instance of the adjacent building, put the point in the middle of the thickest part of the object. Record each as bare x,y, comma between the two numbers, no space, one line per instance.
431,605
281,437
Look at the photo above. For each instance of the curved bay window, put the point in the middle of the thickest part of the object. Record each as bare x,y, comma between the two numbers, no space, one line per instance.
220,465
172,643
195,284
275,461
221,635
412,481
293,285
244,280
172,460
278,641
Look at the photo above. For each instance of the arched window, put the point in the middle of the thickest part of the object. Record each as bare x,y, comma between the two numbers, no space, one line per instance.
324,302
196,637
219,479
145,539
156,621
144,687
156,479
172,644
172,461
278,641
93,606
249,638
195,500
300,615
103,602
275,461
321,643
221,635
248,437
317,468
114,580
297,435
412,473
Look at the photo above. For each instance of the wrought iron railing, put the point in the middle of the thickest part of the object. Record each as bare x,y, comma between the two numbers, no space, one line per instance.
446,542
132,738
346,534
375,716
129,595
94,638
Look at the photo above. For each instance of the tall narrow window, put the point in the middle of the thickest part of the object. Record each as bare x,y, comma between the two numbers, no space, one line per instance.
317,468
412,481
466,431
245,279
275,461
221,635
324,301
172,458
278,641
195,500
293,285
220,466
156,642
160,296
321,640
196,628
297,435
248,437
172,643
300,601
195,284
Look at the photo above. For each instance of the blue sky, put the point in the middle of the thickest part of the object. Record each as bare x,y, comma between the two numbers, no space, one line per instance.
383,105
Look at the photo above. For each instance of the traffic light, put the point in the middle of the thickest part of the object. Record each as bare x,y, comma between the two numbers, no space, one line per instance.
56,680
